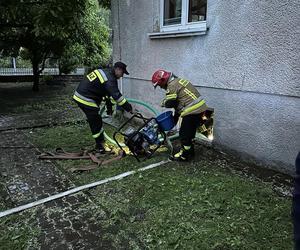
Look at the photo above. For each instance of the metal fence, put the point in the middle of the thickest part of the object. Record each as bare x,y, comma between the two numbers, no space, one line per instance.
29,71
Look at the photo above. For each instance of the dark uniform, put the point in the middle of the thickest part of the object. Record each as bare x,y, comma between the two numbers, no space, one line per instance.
99,85
188,104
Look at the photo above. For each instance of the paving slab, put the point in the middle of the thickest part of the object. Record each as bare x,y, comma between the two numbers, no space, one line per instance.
72,222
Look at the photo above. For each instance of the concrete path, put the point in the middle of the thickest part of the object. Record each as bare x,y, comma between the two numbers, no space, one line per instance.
68,223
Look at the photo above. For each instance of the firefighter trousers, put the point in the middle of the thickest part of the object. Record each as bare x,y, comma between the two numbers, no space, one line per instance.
188,128
95,121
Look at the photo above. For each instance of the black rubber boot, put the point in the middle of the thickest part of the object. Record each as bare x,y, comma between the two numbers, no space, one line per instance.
102,148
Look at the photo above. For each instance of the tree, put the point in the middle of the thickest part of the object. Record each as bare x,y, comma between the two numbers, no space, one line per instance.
44,28
104,3
90,44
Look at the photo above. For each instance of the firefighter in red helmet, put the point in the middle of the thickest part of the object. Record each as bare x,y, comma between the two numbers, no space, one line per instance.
188,104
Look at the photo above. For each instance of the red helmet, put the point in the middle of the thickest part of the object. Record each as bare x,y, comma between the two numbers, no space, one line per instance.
160,77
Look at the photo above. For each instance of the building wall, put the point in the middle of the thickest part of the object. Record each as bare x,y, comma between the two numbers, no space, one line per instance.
246,67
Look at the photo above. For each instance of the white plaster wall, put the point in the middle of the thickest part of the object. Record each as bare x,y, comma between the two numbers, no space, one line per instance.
246,66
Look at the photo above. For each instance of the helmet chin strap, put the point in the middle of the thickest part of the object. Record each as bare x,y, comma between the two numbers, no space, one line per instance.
171,78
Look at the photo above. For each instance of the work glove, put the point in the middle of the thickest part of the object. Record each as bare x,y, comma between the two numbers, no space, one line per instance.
109,107
130,107
109,111
127,107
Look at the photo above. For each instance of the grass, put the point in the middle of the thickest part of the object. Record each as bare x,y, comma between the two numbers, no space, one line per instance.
48,98
67,137
172,208
18,231
75,137
198,205
53,105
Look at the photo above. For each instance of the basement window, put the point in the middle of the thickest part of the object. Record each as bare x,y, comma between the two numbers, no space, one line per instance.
183,15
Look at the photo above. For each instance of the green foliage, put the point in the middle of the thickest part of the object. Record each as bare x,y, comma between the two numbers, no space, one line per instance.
90,44
41,27
23,63
105,3
71,58
96,39
56,29
106,15
5,62
24,58
28,23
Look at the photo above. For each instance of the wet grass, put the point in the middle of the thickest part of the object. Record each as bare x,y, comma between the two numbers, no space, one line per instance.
46,105
18,232
19,98
198,205
69,137
76,137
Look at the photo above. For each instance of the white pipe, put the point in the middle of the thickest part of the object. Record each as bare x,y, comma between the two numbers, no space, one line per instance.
78,189
14,63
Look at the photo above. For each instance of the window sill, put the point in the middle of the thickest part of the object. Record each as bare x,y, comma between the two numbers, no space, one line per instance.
177,33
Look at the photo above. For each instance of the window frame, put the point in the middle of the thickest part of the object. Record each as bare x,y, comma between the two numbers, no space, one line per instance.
185,25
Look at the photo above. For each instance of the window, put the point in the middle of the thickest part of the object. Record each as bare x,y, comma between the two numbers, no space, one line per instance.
172,12
178,15
197,11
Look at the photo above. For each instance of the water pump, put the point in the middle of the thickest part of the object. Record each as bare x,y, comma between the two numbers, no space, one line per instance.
143,141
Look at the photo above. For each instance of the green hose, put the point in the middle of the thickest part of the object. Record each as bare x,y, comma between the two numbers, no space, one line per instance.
146,105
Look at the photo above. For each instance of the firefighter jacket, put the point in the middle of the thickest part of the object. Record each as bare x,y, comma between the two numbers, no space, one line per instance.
183,97
97,86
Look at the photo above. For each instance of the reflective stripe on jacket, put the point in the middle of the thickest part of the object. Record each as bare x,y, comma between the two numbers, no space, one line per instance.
96,86
188,98
83,100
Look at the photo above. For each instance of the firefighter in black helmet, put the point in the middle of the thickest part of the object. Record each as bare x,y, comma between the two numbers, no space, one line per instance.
97,86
